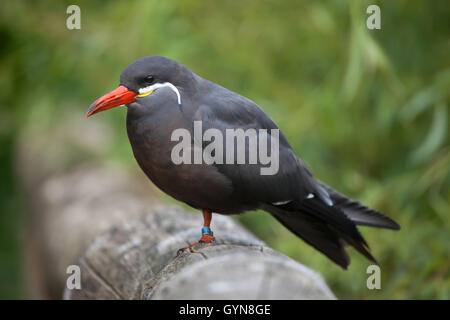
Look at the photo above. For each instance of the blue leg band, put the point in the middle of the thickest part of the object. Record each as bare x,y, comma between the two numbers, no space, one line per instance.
207,230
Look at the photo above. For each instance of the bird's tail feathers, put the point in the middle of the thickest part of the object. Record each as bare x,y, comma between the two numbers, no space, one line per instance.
338,221
326,228
316,234
358,213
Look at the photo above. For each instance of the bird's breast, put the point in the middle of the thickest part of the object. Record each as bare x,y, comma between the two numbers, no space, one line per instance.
199,185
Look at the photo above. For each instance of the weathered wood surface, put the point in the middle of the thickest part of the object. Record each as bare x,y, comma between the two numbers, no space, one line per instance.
109,223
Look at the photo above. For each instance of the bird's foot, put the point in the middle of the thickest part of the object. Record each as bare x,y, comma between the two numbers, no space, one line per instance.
207,237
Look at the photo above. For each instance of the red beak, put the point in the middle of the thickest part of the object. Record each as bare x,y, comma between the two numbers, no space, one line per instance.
110,100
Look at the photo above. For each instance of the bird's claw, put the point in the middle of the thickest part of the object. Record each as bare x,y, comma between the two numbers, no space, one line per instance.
206,238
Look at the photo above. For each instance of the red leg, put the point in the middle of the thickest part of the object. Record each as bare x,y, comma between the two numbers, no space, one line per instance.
207,234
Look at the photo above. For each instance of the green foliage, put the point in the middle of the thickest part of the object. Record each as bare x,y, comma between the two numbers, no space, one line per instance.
366,109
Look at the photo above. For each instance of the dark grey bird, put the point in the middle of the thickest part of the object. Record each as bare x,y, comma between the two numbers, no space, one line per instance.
163,95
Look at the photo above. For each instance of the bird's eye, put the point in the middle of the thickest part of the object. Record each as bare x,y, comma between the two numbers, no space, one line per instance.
149,79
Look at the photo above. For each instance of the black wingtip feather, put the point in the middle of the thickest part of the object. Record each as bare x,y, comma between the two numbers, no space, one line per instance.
326,228
360,214
333,216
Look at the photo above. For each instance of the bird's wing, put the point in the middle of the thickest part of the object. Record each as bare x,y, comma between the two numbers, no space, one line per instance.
358,213
293,181
318,214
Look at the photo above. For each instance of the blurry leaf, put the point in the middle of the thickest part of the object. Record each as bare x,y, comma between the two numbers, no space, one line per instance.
366,56
435,174
443,81
419,103
355,68
440,205
436,136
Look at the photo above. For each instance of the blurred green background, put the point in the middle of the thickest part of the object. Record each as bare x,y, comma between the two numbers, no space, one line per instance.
367,110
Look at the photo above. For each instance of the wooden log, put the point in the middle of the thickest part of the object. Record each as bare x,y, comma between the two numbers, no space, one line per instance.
110,224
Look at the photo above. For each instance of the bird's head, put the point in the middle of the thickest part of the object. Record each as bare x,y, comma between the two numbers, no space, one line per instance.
141,78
